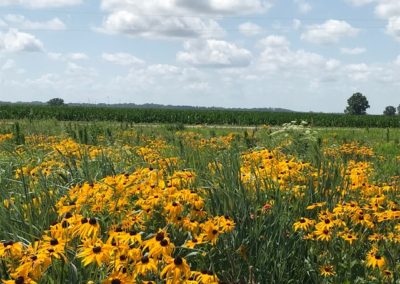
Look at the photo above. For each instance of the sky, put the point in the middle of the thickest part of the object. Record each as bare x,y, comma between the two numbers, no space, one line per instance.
303,55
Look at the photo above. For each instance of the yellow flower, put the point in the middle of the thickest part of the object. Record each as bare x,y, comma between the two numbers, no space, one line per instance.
349,237
374,259
327,270
95,252
119,278
145,265
303,224
10,249
323,234
176,271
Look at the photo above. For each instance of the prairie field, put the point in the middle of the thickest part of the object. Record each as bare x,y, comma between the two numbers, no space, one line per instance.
115,202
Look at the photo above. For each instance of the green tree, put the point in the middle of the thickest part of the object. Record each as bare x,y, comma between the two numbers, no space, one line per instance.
398,110
357,104
56,102
389,110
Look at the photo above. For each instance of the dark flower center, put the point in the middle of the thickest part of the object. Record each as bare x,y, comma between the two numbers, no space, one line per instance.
116,281
164,243
54,242
145,259
8,243
96,250
92,221
20,280
160,236
65,224
178,260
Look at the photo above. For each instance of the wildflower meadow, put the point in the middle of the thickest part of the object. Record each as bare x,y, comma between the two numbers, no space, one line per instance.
108,202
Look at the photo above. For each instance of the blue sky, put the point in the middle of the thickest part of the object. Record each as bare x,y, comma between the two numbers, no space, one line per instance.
298,54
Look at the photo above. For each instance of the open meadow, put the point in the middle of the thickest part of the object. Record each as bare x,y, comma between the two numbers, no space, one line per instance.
115,202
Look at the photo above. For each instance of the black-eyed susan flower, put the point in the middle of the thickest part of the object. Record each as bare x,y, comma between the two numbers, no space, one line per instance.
94,252
176,271
145,265
327,270
375,259
303,224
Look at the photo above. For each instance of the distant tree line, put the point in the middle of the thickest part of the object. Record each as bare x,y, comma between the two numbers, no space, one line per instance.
358,105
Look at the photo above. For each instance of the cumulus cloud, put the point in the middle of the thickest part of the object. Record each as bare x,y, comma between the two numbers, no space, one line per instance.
353,51
75,56
359,3
393,27
278,57
250,29
36,4
397,61
303,6
21,22
214,53
124,59
296,24
9,64
16,41
358,72
176,19
388,8
225,7
138,24
329,32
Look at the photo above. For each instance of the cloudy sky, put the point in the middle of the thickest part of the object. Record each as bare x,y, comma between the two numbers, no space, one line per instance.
305,55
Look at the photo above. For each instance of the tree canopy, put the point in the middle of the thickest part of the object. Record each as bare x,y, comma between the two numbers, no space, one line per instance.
389,110
56,102
357,104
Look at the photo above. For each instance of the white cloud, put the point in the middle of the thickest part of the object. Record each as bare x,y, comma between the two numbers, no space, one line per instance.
250,29
388,8
397,61
359,3
121,58
3,24
296,24
20,22
358,72
77,56
182,7
139,24
225,6
278,56
40,3
393,27
329,32
353,51
9,64
174,18
16,41
214,53
303,6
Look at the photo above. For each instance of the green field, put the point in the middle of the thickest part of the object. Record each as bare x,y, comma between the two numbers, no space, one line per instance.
201,116
92,196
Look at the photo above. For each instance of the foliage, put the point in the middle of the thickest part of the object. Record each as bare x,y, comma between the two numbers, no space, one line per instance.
109,203
202,117
389,110
56,102
357,104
